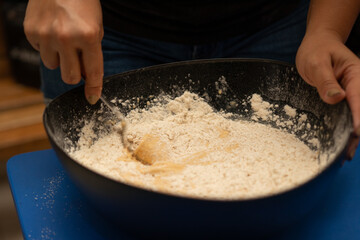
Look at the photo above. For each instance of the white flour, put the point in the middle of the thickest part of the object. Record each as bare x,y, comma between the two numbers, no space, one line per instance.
202,153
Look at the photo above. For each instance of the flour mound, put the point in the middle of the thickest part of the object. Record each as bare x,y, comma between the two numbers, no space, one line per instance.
209,154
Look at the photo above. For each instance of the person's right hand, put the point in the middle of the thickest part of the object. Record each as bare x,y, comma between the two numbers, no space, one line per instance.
68,33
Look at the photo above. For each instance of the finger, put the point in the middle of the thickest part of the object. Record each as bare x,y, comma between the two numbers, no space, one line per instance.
49,56
323,78
31,35
352,146
353,98
70,66
93,70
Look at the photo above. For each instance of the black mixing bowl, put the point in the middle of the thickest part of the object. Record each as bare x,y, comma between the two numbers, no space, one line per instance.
147,213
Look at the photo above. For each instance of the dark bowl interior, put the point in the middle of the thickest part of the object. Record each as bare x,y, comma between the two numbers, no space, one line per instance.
166,214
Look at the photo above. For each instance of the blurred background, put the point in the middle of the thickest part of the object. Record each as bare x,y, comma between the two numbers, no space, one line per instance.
21,105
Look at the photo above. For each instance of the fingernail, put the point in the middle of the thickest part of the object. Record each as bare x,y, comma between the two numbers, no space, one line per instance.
92,99
351,153
333,92
357,132
352,146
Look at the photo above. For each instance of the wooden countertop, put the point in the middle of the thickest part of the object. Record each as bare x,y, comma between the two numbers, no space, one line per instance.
21,127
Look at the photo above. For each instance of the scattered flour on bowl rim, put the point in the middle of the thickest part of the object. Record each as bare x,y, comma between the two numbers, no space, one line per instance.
208,154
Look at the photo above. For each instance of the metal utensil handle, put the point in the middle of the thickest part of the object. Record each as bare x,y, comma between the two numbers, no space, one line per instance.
121,117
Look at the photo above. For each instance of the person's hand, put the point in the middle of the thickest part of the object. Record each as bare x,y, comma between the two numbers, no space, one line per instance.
68,33
325,62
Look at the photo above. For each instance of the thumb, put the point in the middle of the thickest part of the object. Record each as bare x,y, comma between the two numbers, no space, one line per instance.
323,78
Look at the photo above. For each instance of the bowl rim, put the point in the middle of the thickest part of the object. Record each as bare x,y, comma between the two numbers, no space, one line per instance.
336,158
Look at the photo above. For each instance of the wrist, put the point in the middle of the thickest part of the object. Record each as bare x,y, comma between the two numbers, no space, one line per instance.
325,33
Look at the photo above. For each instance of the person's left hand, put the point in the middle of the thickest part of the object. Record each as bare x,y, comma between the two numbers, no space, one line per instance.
326,63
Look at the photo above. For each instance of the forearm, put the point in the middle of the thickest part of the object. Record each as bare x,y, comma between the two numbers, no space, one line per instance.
335,17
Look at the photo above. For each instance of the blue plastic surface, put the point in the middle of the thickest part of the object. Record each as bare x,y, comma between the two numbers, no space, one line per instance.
50,207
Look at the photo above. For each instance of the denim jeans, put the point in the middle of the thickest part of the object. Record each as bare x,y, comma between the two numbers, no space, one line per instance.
122,52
